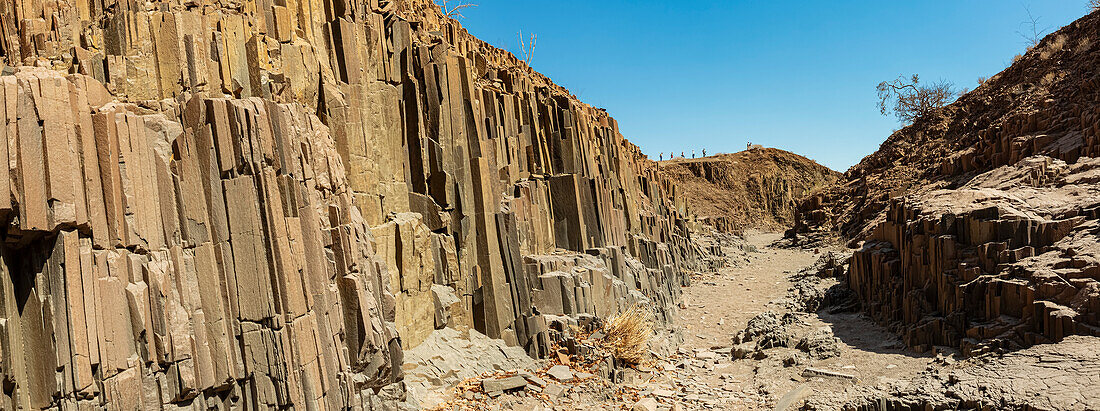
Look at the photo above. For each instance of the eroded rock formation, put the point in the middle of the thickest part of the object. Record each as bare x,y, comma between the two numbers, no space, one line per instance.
208,256
756,188
1008,260
259,204
977,227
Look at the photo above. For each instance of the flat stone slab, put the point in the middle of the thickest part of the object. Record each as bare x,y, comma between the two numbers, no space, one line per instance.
491,385
646,404
561,373
554,390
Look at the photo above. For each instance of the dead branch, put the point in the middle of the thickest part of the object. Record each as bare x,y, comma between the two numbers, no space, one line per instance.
453,12
527,48
1033,34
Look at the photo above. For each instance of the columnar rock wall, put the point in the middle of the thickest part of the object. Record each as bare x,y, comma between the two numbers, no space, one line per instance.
292,191
206,257
1007,261
979,223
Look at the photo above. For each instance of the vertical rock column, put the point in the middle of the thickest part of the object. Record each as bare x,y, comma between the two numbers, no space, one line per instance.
462,160
206,257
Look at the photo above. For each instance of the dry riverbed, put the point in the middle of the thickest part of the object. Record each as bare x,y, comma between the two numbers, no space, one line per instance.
704,375
718,307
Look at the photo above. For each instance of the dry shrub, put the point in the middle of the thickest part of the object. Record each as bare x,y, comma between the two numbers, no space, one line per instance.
1049,79
910,100
1054,47
627,335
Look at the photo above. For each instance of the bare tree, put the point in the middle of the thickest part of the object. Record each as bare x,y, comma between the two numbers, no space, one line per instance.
1094,5
528,47
1031,31
455,11
909,100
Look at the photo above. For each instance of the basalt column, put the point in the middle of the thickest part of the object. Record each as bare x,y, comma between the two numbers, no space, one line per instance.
308,186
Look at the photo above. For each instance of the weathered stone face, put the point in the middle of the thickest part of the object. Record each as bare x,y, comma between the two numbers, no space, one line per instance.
1008,260
263,196
163,258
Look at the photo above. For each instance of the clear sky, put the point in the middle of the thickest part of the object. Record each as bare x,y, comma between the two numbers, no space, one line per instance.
796,75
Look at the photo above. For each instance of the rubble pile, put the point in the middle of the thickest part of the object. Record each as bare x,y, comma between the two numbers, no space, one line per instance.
450,357
819,344
262,205
580,369
767,330
819,286
1045,377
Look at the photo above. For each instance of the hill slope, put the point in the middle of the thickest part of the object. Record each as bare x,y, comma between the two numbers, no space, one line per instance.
756,188
977,228
1040,105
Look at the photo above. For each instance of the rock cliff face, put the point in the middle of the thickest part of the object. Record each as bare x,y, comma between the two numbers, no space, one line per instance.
980,224
224,205
209,255
756,188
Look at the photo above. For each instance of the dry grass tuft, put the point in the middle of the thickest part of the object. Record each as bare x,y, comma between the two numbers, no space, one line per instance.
1049,79
627,335
1054,47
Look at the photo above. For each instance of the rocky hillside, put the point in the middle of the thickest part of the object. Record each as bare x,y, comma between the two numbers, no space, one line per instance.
977,228
1042,104
756,188
261,205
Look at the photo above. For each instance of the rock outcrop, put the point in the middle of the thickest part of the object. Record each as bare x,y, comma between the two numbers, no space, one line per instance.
977,228
227,205
1046,377
757,188
1009,260
209,256
1044,104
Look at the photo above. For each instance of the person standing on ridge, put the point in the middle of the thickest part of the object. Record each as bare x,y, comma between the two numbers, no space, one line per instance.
704,153
692,153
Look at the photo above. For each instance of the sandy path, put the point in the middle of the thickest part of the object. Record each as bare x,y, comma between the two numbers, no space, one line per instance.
718,306
703,376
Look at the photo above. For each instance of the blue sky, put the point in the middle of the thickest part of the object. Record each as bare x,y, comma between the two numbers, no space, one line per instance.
800,76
